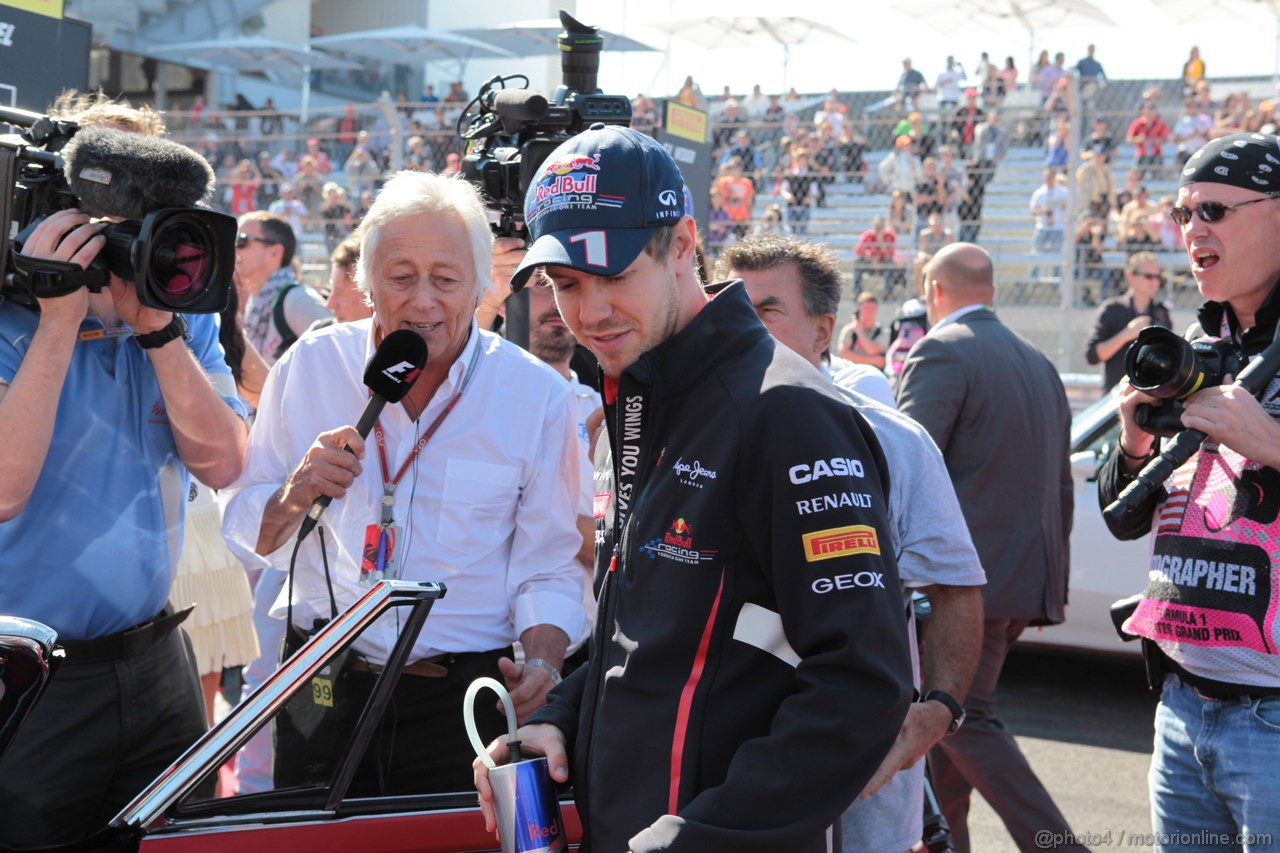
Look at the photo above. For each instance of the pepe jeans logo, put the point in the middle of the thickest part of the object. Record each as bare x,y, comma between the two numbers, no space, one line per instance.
690,473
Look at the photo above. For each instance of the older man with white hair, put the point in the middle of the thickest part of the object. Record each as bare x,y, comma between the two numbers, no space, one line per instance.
480,463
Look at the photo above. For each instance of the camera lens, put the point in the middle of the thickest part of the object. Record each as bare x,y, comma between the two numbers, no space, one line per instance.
182,263
1153,365
181,258
1162,364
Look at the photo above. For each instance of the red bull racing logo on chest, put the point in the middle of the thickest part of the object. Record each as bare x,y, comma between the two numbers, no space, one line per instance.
677,544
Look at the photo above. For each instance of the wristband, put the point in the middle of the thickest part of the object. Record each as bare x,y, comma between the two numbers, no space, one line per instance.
956,709
177,328
1151,454
543,665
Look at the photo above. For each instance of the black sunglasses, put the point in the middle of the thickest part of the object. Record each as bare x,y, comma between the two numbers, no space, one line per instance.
1212,211
243,239
1150,276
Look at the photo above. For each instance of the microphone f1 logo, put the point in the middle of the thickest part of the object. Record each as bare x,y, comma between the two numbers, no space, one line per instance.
401,373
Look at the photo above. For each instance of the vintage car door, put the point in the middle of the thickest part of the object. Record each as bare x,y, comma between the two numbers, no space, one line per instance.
179,812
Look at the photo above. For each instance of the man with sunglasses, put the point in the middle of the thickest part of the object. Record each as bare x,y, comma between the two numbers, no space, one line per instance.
277,308
1208,615
1120,318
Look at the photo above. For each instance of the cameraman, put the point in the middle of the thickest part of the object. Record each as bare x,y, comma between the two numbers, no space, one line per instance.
1207,615
105,406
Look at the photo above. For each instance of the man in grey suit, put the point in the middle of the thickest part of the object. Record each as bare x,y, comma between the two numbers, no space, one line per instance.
996,408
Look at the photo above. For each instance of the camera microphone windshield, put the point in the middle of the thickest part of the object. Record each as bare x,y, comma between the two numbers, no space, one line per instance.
115,173
128,175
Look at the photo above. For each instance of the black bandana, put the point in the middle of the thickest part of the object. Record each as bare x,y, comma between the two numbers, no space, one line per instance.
1250,161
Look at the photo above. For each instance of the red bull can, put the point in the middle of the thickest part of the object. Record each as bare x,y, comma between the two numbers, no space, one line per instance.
524,798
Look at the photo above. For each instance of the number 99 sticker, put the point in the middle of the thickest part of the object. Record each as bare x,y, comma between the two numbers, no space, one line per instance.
322,691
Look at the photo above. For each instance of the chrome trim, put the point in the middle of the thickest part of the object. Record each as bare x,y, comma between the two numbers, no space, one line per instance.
220,743
14,628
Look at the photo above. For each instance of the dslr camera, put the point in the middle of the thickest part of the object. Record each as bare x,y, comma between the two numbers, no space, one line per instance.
1167,366
510,131
179,257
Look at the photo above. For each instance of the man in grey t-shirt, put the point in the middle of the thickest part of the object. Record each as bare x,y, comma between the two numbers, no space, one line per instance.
795,287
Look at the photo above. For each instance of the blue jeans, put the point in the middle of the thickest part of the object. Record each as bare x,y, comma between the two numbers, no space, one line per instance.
1048,241
1214,772
798,217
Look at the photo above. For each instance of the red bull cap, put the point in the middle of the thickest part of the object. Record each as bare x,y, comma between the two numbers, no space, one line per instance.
596,201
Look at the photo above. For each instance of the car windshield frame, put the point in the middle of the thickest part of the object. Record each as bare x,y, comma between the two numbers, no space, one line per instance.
163,800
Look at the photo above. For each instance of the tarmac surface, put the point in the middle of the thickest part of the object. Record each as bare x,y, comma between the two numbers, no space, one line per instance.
1085,724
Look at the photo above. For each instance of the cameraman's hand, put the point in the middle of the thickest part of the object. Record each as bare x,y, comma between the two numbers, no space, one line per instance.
141,319
1133,440
1232,416
67,235
508,252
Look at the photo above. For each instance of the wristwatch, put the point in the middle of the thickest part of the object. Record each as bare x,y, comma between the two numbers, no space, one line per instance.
177,328
544,665
956,709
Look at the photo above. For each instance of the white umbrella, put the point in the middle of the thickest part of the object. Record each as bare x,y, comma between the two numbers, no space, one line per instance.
755,31
955,15
1189,11
252,53
1195,11
408,45
951,16
257,53
540,36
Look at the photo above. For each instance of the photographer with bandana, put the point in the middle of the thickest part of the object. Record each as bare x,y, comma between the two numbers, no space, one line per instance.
1208,617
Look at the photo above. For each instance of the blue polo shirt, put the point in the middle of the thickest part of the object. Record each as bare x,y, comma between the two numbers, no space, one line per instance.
93,551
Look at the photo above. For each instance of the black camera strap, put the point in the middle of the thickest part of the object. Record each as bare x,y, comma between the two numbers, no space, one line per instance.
49,279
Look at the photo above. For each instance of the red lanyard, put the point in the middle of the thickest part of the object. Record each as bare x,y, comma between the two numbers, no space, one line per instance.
389,483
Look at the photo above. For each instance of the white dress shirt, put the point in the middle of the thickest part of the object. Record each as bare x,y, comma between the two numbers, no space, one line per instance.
487,508
587,400
956,315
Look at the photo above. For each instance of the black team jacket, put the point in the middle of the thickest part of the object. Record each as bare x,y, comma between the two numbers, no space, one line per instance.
749,666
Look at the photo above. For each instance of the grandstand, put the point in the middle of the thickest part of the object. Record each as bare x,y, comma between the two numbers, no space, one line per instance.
1030,285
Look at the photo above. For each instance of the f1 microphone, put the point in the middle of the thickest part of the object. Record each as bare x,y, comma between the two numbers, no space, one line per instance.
389,375
116,173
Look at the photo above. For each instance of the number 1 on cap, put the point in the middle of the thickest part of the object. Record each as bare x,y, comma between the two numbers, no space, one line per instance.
597,249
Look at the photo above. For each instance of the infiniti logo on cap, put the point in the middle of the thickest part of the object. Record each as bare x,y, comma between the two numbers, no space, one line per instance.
667,197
